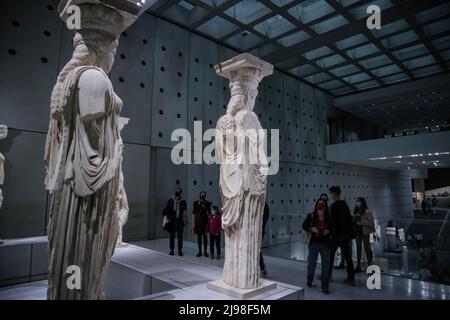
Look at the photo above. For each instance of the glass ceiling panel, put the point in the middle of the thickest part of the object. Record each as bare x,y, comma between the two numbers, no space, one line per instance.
282,3
331,84
311,10
385,71
294,39
244,40
217,27
214,3
304,70
351,41
395,78
441,43
330,24
274,26
345,70
391,28
330,61
410,52
346,3
437,27
419,62
264,50
433,13
247,11
427,70
367,84
357,77
399,39
363,51
361,12
375,62
319,77
317,53
445,55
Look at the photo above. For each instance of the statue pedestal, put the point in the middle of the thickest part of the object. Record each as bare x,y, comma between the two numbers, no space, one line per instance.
242,294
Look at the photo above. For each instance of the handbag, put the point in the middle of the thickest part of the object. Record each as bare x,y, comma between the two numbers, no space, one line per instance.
306,236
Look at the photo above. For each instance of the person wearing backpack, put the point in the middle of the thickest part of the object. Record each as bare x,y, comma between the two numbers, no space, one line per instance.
320,226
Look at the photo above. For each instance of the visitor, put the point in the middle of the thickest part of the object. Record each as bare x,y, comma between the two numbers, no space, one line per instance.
201,211
424,206
324,197
320,226
176,214
262,265
364,226
434,202
342,221
419,238
213,229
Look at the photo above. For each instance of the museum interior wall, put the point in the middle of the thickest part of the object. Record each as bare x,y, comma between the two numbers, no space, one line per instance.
165,76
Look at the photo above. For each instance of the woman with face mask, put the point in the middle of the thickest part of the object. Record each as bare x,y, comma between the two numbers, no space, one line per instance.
320,225
364,226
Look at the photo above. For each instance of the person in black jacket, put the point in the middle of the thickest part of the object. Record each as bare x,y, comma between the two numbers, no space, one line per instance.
176,213
201,211
262,265
342,221
320,226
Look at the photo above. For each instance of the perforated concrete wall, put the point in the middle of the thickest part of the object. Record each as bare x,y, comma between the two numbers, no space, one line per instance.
166,78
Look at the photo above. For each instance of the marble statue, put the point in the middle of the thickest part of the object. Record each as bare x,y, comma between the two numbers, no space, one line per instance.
3,135
122,200
83,155
243,171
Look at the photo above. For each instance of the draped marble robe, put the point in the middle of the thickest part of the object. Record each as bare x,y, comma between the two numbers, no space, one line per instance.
83,171
242,185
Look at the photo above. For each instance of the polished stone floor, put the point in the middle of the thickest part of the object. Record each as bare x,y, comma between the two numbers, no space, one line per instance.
282,270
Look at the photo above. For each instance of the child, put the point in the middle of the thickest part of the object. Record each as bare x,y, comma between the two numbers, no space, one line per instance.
213,229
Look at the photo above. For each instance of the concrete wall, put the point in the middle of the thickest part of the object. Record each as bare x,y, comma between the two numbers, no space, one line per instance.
165,77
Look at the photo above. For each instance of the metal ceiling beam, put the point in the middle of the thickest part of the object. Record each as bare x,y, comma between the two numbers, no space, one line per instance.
313,34
346,31
211,14
368,34
259,20
267,39
409,17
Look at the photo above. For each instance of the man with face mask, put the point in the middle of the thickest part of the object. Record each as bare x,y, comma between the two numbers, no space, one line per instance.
201,211
176,212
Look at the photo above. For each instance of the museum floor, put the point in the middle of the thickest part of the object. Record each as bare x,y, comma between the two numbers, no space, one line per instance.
192,271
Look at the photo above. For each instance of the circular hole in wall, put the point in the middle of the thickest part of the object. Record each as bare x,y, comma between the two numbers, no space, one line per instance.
160,134
142,85
163,48
178,115
143,62
121,79
12,52
163,69
44,60
50,8
47,33
15,23
161,112
144,41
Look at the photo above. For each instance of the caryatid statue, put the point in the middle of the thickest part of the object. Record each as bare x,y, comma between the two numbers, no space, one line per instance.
83,154
243,170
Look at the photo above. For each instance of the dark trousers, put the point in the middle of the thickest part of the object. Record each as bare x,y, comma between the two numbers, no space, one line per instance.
346,252
214,240
365,239
324,249
178,230
262,266
202,239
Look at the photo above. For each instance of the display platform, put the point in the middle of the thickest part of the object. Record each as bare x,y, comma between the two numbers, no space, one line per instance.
134,273
23,260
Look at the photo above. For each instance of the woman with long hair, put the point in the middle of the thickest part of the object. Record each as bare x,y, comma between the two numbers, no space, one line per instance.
320,226
364,226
